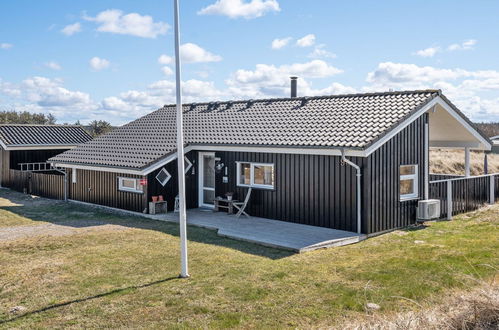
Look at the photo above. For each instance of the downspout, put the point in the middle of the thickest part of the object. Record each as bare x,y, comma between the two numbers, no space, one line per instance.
359,196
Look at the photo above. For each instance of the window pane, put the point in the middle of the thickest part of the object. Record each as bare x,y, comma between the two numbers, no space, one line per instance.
407,169
128,183
245,173
264,175
406,187
208,196
208,171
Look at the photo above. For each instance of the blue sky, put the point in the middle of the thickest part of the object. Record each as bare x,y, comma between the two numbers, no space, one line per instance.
112,60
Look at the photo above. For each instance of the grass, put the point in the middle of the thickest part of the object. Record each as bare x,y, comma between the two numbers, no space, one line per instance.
451,161
128,278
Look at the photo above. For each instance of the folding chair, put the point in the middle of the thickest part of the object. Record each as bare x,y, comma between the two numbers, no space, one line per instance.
241,206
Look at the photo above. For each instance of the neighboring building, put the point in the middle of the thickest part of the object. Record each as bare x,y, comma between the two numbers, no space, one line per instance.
26,148
495,144
289,150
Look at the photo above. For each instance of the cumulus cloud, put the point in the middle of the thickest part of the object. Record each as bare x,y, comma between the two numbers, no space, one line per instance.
192,53
306,41
53,65
165,60
115,21
167,70
280,43
97,63
467,89
320,52
428,52
6,45
240,8
270,80
465,45
71,29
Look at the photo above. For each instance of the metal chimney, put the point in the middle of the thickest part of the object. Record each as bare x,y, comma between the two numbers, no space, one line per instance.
294,86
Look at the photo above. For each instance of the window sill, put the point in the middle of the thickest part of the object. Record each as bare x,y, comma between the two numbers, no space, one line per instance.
408,199
256,187
131,191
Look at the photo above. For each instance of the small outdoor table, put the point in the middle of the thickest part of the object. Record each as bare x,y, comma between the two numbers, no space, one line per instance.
224,203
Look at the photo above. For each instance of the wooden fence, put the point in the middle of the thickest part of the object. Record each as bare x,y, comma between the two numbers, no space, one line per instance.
464,194
39,184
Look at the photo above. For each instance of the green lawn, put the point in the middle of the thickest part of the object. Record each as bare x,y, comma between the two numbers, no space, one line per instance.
128,278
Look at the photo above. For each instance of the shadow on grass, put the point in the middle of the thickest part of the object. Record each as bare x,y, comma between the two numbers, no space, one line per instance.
58,212
101,295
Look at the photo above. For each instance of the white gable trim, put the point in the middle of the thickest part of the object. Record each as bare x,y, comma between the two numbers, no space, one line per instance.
438,100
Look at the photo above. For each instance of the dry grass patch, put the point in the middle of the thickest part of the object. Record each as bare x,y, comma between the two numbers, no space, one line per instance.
450,161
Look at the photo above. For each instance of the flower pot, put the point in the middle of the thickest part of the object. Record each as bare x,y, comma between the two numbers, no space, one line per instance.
154,199
229,198
160,198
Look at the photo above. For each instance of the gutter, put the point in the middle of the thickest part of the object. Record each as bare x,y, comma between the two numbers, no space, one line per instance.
359,196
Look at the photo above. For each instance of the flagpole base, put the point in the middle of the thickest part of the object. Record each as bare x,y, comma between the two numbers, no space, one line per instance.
184,276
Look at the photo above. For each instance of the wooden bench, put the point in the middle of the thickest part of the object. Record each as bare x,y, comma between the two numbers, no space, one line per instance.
224,203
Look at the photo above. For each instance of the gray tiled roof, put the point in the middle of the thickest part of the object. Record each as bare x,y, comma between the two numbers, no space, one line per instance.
352,121
42,135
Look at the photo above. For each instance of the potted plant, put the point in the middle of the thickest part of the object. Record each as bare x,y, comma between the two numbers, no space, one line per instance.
229,195
160,198
154,199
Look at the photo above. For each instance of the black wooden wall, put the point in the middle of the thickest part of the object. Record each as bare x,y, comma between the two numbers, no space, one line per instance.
170,190
309,189
382,207
101,188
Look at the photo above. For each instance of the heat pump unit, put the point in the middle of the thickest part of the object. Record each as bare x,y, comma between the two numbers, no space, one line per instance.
429,209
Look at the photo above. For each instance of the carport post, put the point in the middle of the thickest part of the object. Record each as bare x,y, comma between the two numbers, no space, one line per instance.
449,199
492,197
467,161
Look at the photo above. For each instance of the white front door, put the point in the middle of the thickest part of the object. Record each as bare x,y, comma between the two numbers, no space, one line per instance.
206,179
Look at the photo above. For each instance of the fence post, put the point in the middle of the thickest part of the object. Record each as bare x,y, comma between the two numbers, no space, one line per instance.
449,200
492,197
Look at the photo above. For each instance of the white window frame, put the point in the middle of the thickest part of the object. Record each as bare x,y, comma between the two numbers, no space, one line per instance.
168,177
137,186
252,175
415,178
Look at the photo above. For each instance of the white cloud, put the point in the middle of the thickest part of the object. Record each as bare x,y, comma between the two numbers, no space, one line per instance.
306,41
167,70
465,45
115,21
165,60
71,29
97,63
192,53
467,89
320,52
270,80
428,52
240,8
280,43
6,45
53,65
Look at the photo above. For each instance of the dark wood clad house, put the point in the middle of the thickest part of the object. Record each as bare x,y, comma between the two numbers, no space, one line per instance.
26,148
305,158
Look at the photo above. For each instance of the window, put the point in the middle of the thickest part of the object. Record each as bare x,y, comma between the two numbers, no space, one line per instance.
408,182
255,175
163,176
129,184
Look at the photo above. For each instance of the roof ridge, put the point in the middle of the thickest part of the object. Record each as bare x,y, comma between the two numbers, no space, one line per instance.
42,125
416,91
